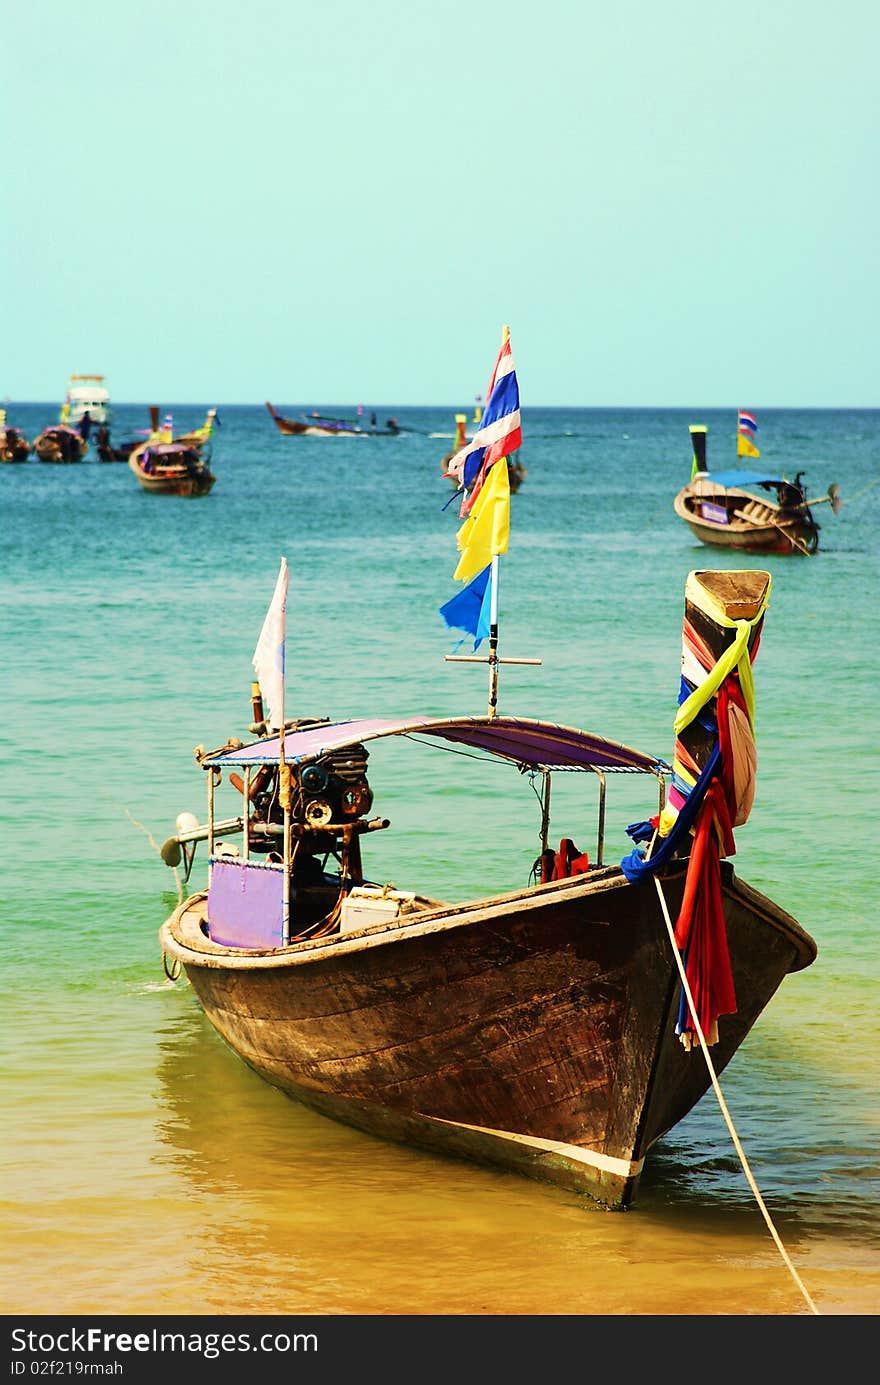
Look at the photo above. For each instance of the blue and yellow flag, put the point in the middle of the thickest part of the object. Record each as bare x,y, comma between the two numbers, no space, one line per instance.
486,531
481,467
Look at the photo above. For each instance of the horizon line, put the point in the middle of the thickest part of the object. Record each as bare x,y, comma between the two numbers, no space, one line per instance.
457,408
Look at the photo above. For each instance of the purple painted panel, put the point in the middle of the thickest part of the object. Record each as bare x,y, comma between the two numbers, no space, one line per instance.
716,513
245,903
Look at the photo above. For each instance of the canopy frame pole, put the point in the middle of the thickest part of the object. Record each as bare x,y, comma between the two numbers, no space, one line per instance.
545,812
600,839
210,821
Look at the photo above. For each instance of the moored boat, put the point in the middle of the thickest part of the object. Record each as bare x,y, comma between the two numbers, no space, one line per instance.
757,511
60,443
169,465
558,1027
201,438
533,1029
88,394
14,446
171,468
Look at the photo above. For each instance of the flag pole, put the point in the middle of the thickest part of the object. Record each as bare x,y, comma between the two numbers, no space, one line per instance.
493,608
270,657
284,796
493,638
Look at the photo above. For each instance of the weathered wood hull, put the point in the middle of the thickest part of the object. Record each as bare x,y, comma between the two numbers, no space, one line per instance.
291,428
48,448
777,532
533,1031
14,447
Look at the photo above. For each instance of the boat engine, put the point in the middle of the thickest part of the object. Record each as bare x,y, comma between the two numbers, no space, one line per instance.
328,795
334,789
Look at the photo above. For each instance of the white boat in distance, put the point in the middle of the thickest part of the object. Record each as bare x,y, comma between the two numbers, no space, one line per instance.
88,392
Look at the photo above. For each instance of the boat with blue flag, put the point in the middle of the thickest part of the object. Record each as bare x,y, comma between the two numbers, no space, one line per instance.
558,1027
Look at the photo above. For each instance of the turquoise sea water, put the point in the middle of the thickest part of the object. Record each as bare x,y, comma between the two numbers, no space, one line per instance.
146,1170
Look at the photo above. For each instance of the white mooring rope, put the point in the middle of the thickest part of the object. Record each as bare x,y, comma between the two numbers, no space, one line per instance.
723,1104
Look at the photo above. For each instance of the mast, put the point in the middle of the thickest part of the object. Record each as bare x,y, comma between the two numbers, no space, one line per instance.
493,609
284,792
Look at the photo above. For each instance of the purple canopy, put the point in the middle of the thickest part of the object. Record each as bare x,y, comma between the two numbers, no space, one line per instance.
169,449
531,744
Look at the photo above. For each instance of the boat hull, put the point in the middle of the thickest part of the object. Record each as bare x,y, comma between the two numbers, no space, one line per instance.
776,533
186,479
17,450
291,428
334,428
533,1031
47,448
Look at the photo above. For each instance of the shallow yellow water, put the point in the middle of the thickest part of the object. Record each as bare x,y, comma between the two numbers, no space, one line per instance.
218,1195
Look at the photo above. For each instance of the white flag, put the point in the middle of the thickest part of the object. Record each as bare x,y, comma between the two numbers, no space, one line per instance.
270,651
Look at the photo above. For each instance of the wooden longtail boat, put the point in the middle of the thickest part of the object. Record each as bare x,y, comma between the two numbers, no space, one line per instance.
540,1029
320,426
60,443
14,446
168,465
757,511
171,468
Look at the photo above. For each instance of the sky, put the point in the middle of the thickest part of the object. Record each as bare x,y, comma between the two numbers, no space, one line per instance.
346,200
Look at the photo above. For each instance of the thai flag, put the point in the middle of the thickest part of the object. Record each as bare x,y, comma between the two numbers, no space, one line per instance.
499,433
748,425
